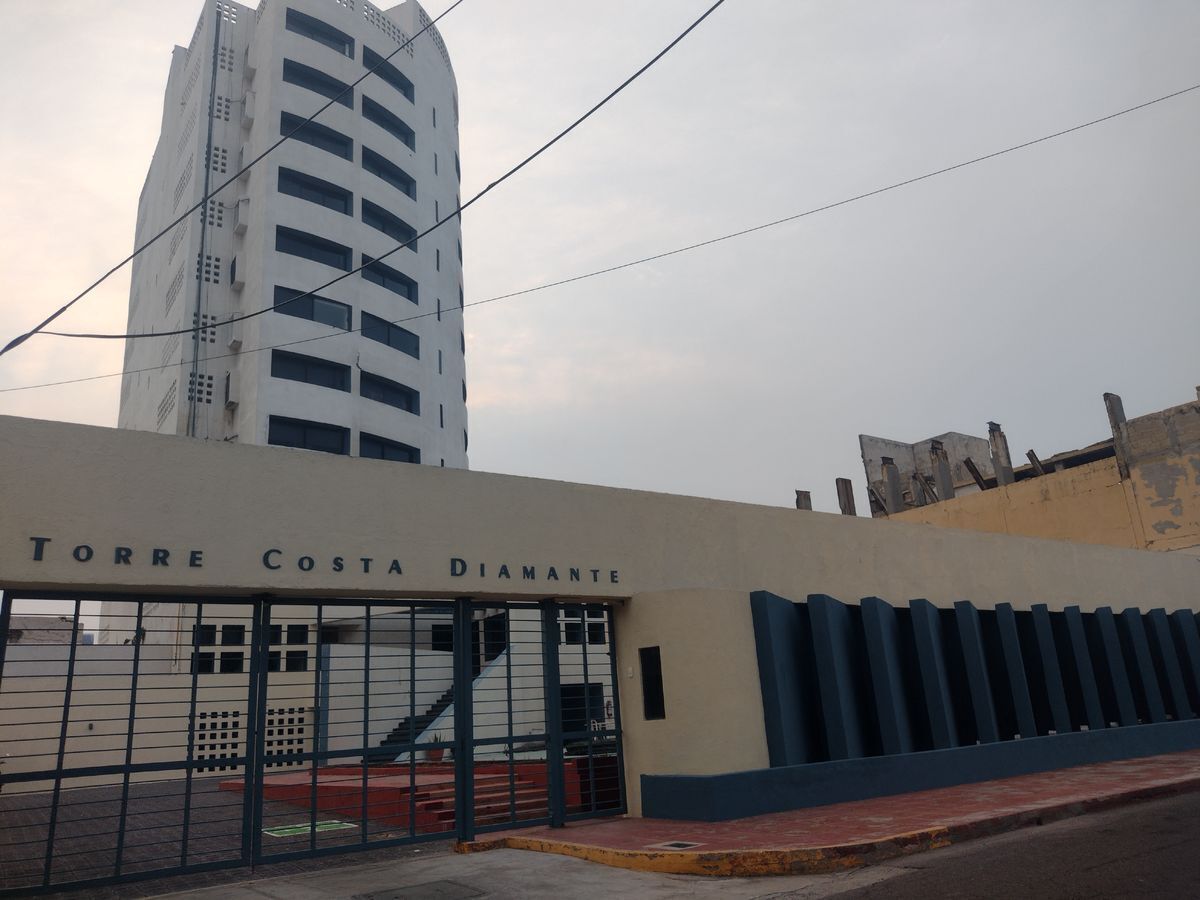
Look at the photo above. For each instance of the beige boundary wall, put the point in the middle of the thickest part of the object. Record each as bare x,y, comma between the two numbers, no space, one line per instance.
226,513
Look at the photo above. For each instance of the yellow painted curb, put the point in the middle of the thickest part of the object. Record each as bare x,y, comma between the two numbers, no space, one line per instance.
789,861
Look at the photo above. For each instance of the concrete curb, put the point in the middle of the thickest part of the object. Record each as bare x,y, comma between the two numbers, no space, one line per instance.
825,859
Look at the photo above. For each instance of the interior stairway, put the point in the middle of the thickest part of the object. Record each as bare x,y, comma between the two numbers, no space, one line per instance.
410,728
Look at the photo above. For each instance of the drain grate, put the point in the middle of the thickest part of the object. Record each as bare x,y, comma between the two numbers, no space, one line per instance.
673,845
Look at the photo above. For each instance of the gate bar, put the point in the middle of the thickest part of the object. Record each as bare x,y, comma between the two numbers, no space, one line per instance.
553,702
412,720
5,618
366,723
585,645
464,750
512,742
191,741
317,676
256,713
133,686
616,699
62,747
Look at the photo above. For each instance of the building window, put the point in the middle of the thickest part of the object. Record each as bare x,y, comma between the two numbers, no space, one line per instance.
283,432
393,393
273,658
232,662
389,73
390,224
203,663
319,136
387,277
312,307
310,370
439,309
204,635
389,122
276,634
316,190
441,637
437,264
388,171
233,635
377,329
572,627
316,30
297,634
318,82
372,447
653,705
309,246
441,415
297,661
439,362
435,164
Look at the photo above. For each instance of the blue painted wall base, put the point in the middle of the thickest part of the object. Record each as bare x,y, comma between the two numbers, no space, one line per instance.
735,795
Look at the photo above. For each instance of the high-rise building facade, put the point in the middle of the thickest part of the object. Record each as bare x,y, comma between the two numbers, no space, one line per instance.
371,366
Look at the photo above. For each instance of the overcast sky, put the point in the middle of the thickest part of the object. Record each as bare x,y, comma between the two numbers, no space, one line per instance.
1018,290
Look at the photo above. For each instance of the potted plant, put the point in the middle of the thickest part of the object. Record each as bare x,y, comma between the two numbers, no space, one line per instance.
435,754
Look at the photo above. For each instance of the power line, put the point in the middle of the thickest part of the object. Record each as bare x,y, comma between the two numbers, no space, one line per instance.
657,256
20,339
438,224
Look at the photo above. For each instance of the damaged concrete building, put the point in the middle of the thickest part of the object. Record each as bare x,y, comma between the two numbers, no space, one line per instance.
1138,488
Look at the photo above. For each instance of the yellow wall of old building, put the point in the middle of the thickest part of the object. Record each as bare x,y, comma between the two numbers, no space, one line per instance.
1156,508
1086,504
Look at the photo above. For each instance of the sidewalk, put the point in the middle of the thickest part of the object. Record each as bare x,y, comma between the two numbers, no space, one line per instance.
832,838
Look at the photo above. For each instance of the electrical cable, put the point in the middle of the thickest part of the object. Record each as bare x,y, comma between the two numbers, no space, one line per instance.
652,258
37,329
438,224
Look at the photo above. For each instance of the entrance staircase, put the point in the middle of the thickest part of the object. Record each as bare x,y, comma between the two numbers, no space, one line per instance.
396,797
410,728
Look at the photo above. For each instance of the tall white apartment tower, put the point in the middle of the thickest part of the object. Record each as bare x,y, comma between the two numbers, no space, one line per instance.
371,366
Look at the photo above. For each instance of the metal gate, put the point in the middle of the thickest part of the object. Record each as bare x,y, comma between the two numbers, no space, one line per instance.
151,735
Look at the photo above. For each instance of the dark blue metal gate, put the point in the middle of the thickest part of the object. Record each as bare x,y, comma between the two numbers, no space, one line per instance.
143,736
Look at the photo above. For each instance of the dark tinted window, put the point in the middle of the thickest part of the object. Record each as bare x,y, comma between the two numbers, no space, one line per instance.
318,135
387,277
653,705
389,223
372,447
316,190
389,122
308,435
318,249
310,370
234,635
390,172
388,72
318,82
394,336
320,32
393,393
312,307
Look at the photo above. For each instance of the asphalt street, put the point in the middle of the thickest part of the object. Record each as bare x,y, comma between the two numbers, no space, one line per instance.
1144,850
